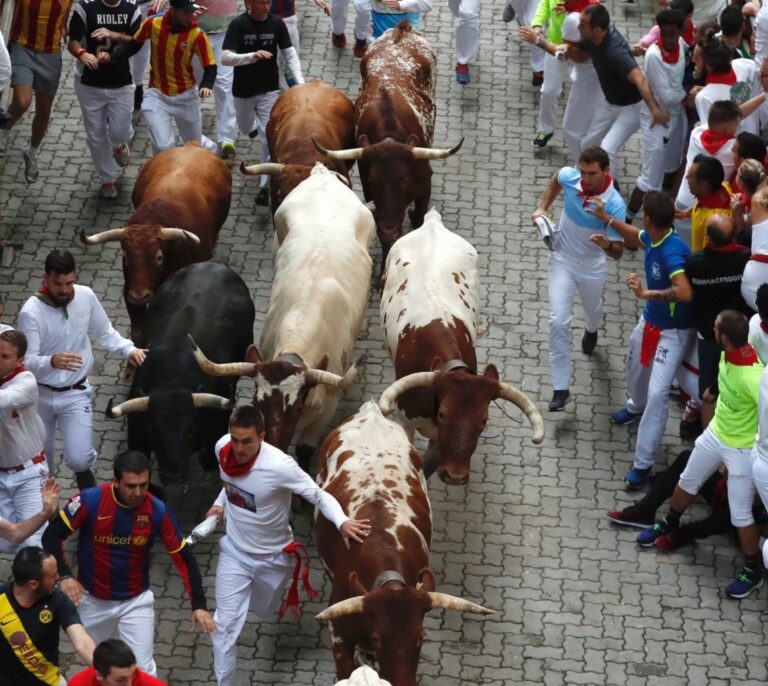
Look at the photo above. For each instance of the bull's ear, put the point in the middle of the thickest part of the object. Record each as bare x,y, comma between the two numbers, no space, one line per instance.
362,140
253,354
412,140
425,580
323,364
356,585
491,372
437,365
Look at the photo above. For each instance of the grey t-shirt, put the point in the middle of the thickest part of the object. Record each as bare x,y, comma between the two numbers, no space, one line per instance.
613,61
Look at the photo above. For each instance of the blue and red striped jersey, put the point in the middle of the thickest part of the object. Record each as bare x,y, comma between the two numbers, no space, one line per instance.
115,542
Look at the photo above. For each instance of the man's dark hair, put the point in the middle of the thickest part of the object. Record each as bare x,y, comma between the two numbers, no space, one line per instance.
595,153
709,170
751,147
131,461
671,18
17,339
112,653
246,417
731,21
722,112
734,325
761,302
717,56
684,6
717,236
28,565
598,17
59,262
660,209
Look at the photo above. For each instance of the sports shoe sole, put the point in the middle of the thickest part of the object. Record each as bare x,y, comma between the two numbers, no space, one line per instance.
740,596
635,418
634,525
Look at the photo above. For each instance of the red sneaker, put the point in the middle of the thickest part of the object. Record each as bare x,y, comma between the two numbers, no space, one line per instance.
631,516
669,542
339,40
361,45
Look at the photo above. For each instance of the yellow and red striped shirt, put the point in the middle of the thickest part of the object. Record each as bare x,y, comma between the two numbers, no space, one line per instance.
172,52
39,24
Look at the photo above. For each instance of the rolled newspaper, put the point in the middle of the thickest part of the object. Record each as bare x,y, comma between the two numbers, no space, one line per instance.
202,530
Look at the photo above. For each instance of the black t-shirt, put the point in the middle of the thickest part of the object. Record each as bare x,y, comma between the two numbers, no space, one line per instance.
34,631
613,61
248,35
89,15
715,275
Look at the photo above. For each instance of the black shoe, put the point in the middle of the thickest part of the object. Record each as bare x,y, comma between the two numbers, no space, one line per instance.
541,140
262,199
559,400
85,479
138,98
690,431
588,342
537,79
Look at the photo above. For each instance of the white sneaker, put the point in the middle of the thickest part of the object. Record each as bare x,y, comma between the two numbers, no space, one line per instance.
31,172
122,155
109,190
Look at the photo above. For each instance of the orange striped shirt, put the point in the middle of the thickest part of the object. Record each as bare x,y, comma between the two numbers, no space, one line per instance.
172,52
39,24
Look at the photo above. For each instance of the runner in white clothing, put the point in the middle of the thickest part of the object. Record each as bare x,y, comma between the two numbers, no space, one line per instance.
255,556
59,320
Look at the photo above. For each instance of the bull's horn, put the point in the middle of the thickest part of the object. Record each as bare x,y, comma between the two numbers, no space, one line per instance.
216,369
330,379
103,237
389,397
170,234
350,606
349,154
507,392
451,602
128,407
436,153
210,400
266,168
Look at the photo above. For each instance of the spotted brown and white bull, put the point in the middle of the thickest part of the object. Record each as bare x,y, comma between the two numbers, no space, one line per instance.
181,200
383,587
310,110
429,313
395,117
319,297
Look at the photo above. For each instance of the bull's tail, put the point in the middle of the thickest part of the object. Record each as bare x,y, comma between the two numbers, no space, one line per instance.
403,28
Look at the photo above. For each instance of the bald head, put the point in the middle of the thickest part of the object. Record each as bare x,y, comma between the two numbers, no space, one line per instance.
719,230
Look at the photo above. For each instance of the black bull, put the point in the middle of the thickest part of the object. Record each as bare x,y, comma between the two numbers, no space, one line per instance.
175,409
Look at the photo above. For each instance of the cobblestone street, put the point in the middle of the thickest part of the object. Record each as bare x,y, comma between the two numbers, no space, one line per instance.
577,601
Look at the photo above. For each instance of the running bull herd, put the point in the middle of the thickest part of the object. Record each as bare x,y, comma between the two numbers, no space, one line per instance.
196,317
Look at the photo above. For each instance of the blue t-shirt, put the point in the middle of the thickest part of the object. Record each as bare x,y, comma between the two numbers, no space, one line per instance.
663,260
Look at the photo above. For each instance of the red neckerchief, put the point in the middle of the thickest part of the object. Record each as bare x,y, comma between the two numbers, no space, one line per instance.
15,372
763,326
719,200
578,5
728,247
728,79
583,194
299,551
689,33
229,464
669,57
712,141
745,356
44,295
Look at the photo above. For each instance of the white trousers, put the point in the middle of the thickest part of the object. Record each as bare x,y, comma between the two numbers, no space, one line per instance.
160,111
555,73
709,452
253,115
648,387
524,12
20,499
340,12
567,277
611,128
72,413
662,149
140,60
243,582
583,101
467,30
131,620
222,90
107,120
760,480
283,70
755,275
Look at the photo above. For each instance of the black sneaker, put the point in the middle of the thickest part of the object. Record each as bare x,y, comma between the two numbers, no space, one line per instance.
691,430
138,98
541,140
537,79
559,400
588,342
262,199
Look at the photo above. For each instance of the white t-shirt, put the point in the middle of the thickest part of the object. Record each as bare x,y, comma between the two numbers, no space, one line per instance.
666,80
22,432
581,70
257,505
685,199
747,87
758,338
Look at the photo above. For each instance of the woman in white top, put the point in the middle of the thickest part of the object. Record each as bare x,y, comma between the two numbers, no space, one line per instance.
756,271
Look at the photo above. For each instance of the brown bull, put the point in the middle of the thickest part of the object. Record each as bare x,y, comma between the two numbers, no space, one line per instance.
181,200
383,587
310,110
395,117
